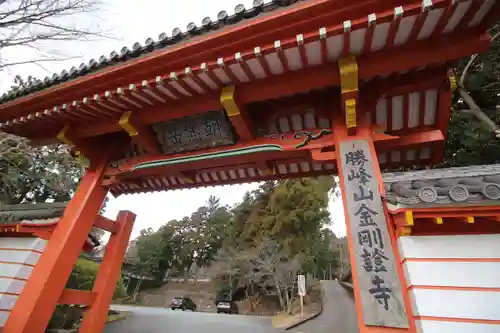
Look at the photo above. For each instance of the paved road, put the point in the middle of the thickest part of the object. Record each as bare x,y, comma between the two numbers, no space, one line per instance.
339,312
160,320
338,316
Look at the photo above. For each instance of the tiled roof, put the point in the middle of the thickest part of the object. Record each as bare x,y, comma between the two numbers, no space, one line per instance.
466,186
37,214
32,212
163,41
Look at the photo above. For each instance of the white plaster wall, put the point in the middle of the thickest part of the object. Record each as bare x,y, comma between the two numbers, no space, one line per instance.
18,256
435,326
454,282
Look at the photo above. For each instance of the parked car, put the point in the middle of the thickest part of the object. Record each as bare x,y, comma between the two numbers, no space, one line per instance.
183,303
228,307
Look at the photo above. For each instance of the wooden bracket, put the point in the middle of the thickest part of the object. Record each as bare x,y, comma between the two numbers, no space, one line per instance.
236,114
77,149
63,137
186,178
349,80
350,113
266,168
142,135
348,75
452,79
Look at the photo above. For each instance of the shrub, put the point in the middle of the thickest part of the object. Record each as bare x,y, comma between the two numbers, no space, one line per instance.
82,278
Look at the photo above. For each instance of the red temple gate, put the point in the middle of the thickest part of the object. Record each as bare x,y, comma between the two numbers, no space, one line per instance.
310,88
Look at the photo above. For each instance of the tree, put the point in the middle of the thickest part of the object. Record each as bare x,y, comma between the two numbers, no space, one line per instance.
28,24
280,268
474,135
36,174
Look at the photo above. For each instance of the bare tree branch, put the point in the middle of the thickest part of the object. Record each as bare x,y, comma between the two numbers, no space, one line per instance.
24,23
473,107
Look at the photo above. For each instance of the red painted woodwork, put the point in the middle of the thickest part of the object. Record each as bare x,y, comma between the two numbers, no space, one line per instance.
40,295
415,55
77,297
264,30
294,93
106,224
108,274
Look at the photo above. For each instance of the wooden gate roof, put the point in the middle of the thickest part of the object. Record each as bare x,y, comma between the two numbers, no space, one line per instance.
281,59
154,74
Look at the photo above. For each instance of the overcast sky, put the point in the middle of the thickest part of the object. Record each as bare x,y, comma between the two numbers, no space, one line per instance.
129,21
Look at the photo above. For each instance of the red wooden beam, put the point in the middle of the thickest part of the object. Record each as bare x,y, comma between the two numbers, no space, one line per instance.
77,297
383,142
419,54
442,121
106,224
108,274
257,178
265,29
34,308
403,84
410,140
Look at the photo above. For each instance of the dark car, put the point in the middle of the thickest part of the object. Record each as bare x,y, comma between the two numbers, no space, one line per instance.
183,303
228,307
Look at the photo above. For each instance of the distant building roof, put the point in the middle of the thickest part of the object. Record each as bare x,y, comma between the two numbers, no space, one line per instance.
460,186
32,213
37,215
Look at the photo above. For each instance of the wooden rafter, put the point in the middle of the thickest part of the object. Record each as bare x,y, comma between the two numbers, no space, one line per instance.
416,55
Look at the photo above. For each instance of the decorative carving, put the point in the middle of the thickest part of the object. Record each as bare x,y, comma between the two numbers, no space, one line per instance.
307,135
464,186
310,137
427,194
491,191
459,193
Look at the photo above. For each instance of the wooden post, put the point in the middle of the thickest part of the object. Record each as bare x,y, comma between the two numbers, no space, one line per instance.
108,274
370,310
38,300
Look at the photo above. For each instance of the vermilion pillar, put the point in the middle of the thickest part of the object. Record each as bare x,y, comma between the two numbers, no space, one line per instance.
108,274
37,302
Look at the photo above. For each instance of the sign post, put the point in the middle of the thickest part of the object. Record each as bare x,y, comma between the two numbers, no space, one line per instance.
301,286
379,285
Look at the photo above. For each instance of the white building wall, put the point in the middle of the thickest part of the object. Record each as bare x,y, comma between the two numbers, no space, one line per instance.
18,256
454,282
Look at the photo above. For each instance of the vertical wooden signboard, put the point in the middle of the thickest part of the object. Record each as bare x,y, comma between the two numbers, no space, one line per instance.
379,285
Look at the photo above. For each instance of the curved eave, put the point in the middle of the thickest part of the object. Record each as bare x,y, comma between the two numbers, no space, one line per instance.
314,28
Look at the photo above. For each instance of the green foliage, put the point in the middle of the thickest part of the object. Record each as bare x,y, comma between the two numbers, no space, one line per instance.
84,274
82,278
469,141
35,174
255,248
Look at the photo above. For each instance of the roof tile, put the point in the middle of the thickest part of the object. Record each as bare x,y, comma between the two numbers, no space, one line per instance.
465,186
150,45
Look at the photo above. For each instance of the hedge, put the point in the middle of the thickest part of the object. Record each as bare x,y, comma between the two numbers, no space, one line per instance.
82,278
